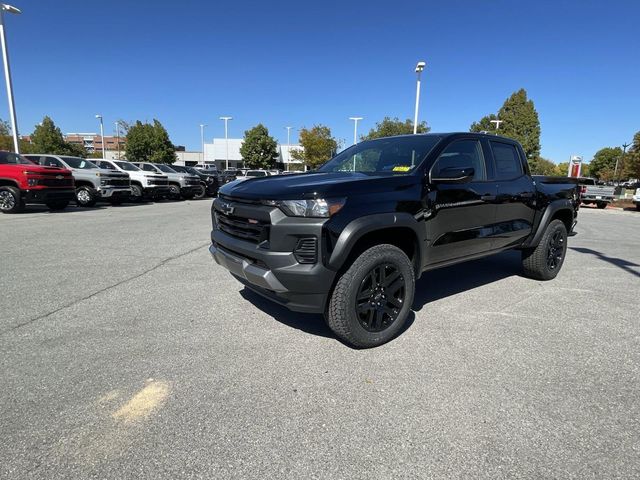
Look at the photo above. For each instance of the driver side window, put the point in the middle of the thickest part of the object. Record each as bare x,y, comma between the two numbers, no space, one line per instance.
462,154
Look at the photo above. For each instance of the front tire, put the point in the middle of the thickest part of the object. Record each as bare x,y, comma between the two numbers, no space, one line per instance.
545,261
372,299
174,192
136,193
10,200
200,193
85,197
601,205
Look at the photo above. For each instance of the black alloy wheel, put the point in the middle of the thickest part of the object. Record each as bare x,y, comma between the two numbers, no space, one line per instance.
555,250
380,298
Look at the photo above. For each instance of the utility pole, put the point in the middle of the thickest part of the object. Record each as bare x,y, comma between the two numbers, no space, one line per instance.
288,146
615,170
226,139
118,137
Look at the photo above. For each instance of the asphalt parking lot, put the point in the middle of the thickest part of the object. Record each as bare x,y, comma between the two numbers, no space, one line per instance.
125,352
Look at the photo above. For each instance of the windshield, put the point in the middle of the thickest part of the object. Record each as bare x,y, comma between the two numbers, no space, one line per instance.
130,167
14,159
179,168
192,170
80,163
165,168
397,155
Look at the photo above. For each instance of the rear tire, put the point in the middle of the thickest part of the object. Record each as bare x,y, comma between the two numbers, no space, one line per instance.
85,197
58,205
372,299
601,205
545,261
10,200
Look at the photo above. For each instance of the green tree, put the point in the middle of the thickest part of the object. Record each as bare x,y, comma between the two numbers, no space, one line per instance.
604,162
632,159
389,127
542,166
259,149
519,121
562,169
318,145
47,138
146,142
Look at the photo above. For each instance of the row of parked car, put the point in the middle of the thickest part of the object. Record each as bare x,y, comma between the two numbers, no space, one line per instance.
57,180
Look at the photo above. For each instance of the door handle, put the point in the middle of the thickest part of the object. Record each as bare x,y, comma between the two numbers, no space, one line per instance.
526,194
488,197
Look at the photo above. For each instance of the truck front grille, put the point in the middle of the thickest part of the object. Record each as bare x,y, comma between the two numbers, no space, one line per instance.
57,182
158,181
247,229
118,182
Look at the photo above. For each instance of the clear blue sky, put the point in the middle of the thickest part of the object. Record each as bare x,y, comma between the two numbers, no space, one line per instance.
301,63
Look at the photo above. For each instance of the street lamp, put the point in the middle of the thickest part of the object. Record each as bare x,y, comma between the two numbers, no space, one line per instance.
7,73
226,138
118,137
355,128
202,125
99,117
419,68
497,123
288,146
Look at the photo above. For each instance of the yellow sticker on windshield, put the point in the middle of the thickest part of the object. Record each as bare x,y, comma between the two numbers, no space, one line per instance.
401,168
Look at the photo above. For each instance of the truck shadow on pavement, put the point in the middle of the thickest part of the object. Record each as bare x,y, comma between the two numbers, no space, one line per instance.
313,324
618,262
445,282
432,286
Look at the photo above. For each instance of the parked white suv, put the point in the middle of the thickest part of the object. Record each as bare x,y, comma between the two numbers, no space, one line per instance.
180,185
636,198
151,185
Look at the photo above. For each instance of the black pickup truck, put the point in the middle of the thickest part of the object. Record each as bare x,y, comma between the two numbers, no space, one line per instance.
350,239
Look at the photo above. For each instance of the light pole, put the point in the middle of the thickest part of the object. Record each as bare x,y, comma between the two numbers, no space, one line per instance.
288,146
419,68
226,138
99,117
202,125
118,137
7,73
355,128
497,123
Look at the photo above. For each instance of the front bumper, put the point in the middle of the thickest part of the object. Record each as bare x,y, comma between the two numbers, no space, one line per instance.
270,268
49,195
156,190
114,192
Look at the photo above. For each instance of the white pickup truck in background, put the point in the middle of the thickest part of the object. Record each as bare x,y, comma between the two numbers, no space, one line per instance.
591,193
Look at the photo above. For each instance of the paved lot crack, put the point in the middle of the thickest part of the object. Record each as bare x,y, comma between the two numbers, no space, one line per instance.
102,290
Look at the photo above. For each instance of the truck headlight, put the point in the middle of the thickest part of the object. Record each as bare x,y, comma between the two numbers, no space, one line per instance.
318,208
103,182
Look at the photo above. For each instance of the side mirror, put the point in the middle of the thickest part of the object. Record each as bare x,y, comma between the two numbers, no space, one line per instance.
454,175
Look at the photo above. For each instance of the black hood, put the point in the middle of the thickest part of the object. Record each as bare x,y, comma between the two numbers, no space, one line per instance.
315,185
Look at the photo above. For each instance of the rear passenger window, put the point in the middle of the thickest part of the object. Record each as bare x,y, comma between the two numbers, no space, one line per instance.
508,164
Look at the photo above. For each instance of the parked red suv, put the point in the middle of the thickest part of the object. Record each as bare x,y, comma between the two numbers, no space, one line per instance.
23,182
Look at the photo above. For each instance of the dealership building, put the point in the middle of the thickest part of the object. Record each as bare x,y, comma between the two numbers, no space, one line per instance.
217,153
